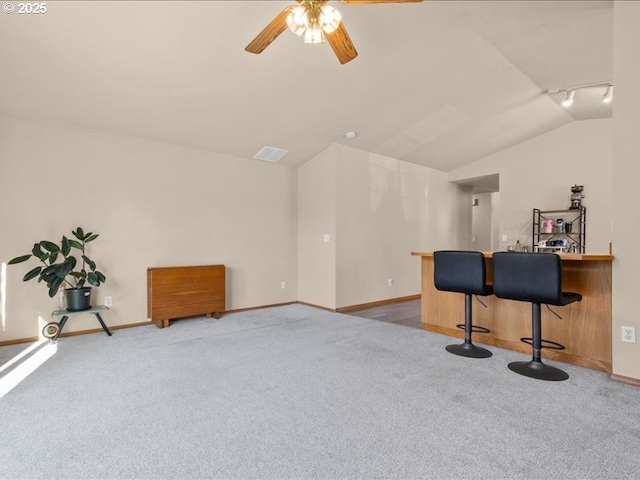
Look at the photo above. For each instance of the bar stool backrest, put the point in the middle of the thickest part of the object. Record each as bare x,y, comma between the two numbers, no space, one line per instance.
528,277
460,271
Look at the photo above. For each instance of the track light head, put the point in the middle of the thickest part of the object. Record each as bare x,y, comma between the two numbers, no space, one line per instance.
570,92
568,99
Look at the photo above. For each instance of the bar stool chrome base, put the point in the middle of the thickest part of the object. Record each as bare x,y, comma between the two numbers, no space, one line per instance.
538,370
469,350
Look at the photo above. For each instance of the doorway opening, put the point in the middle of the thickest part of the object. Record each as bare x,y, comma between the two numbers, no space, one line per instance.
485,207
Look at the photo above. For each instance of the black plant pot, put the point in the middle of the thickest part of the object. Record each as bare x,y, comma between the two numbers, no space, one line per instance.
78,299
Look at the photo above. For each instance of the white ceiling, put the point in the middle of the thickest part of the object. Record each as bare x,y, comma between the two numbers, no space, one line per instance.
437,83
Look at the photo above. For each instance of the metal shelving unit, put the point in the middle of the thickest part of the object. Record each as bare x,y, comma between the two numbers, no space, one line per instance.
557,241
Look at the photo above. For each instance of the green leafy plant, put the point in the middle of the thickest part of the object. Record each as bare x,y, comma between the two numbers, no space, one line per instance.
60,263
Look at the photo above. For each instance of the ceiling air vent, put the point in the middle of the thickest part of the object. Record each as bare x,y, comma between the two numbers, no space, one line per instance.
270,154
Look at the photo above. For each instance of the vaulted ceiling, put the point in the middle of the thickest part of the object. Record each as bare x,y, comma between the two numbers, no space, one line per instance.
438,83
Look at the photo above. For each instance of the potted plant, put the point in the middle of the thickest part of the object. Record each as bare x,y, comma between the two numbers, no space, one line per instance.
61,267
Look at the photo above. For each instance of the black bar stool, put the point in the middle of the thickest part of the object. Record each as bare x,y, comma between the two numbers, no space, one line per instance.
463,272
535,278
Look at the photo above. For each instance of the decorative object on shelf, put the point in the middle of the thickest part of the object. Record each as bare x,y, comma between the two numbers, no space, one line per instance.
559,225
576,197
55,275
518,247
547,225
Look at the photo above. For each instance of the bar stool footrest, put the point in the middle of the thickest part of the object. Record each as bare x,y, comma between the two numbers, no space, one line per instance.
474,328
545,343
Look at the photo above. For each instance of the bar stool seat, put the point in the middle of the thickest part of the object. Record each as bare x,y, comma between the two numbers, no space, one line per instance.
463,272
534,278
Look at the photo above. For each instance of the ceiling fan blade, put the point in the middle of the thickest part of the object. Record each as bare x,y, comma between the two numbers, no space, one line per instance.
269,33
380,1
341,44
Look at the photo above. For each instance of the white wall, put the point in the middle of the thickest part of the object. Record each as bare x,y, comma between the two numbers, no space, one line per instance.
153,204
539,174
317,218
495,221
626,172
378,210
387,209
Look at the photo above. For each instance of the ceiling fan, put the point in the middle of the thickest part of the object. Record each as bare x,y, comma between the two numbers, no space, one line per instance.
316,20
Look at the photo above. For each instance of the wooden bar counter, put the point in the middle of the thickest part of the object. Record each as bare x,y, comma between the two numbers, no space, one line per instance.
584,330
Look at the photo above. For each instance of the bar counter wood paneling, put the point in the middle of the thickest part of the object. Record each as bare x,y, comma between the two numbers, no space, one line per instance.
584,330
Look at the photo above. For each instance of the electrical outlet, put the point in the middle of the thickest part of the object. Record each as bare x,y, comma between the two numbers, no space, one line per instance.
283,284
390,282
629,334
107,301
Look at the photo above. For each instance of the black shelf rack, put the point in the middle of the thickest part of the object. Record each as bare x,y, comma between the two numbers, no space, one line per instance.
560,241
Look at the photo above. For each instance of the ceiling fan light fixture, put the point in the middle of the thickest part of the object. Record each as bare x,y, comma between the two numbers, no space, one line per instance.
568,99
317,22
608,94
298,20
329,18
314,33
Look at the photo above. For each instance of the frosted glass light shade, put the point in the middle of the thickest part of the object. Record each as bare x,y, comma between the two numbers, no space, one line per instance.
298,20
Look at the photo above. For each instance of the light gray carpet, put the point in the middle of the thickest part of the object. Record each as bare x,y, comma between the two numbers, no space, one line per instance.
294,393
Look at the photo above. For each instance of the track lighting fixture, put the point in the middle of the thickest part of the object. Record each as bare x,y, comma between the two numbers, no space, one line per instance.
568,98
570,92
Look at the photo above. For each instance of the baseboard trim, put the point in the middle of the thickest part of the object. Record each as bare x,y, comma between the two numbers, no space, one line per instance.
628,380
128,325
98,330
149,322
74,333
379,303
259,307
19,340
327,309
